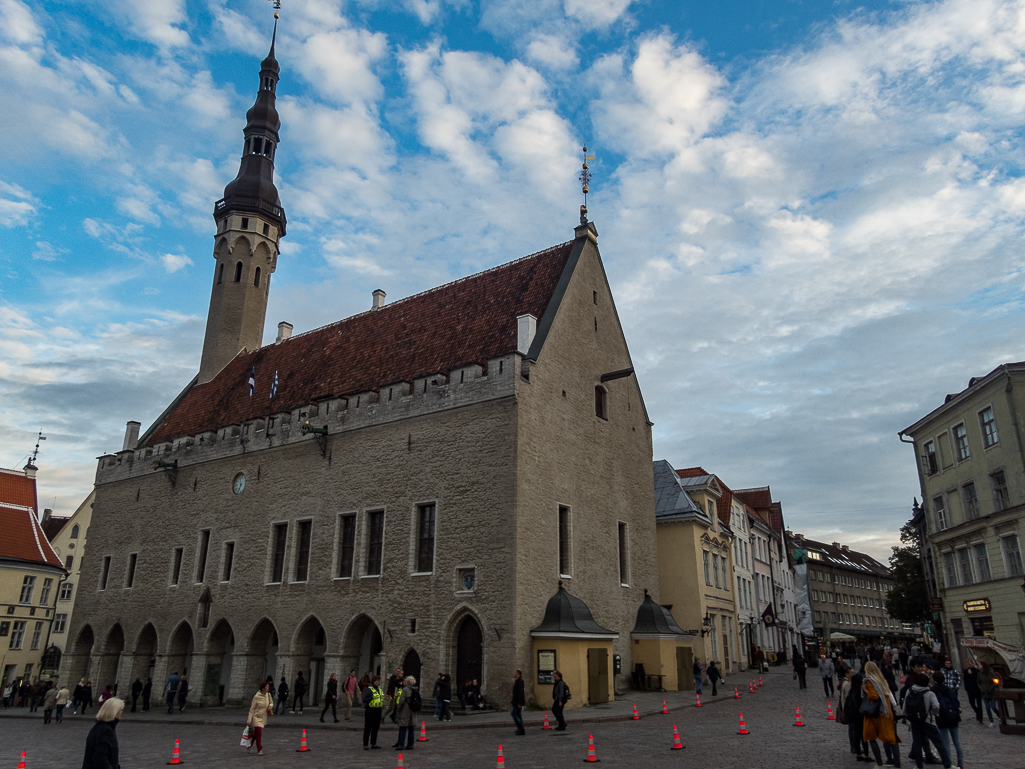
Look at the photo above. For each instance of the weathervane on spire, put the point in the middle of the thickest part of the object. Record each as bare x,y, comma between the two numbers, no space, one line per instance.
585,184
277,6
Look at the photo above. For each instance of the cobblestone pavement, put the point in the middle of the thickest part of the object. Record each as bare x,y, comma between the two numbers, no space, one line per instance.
210,737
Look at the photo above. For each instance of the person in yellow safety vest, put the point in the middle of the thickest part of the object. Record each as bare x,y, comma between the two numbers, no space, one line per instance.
373,701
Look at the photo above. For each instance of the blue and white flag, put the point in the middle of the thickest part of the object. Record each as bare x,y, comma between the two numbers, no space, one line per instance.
274,384
252,381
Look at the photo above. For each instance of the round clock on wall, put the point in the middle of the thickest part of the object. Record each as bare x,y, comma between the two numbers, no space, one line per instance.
239,484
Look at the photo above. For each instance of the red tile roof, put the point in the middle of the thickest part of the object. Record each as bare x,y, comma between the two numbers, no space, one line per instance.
23,539
16,488
759,498
468,321
692,472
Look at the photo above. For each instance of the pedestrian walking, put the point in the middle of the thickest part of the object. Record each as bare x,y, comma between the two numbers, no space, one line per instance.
445,691
101,748
971,688
951,676
921,708
106,694
827,671
349,689
261,707
407,706
519,699
136,692
714,676
560,696
879,721
373,705
988,690
87,696
437,698
298,692
49,703
949,718
697,675
850,706
800,672
147,690
331,699
171,690
282,696
61,703
183,692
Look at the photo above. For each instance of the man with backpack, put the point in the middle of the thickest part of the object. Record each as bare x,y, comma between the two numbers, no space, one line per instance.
921,708
917,665
560,696
949,717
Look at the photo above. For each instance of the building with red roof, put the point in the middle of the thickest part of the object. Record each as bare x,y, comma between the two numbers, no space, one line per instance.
30,573
406,486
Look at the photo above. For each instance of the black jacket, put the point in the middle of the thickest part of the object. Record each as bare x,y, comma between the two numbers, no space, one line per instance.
800,666
970,676
299,687
713,672
101,751
332,688
282,691
518,697
445,690
137,688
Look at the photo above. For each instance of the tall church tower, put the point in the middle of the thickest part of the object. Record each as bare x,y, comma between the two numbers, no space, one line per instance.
250,222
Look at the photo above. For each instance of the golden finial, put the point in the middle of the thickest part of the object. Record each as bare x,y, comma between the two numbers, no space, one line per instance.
585,184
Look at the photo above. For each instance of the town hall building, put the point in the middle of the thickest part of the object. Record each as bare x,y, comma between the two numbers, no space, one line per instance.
407,486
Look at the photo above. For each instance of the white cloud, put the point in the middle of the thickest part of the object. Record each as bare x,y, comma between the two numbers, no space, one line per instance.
552,51
47,252
596,14
17,205
18,25
155,21
175,262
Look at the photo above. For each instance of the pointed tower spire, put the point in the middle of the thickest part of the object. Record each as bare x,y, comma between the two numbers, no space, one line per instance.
250,224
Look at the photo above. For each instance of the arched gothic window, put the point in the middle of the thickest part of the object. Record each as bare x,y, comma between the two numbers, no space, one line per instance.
256,280
220,273
238,272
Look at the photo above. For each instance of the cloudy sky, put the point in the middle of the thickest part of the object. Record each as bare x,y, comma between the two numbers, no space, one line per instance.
811,212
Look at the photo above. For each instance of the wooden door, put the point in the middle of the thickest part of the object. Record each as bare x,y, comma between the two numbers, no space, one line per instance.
597,676
469,654
684,669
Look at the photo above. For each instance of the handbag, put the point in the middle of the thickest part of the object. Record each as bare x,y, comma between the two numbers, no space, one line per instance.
868,708
795,675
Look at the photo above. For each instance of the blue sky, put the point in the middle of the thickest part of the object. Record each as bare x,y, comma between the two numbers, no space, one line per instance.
811,213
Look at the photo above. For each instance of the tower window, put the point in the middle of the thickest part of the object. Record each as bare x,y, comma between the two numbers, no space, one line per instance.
220,273
238,268
245,222
256,280
600,403
257,145
245,148
266,229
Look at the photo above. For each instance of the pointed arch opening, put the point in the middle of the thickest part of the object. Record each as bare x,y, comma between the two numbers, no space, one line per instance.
308,647
179,650
220,272
78,660
256,277
468,642
362,646
220,648
238,272
113,647
145,652
263,652
411,667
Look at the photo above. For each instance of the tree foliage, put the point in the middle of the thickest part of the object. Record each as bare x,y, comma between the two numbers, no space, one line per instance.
908,601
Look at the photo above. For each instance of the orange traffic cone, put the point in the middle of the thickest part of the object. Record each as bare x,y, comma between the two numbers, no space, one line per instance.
698,698
798,721
400,766
591,757
665,708
423,732
743,727
830,717
736,694
760,681
501,760
677,745
546,726
176,755
751,688
302,744
636,717
21,764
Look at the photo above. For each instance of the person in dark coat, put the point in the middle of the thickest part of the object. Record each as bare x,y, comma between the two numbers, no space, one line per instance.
519,699
714,676
801,670
282,696
87,696
101,748
560,696
183,693
298,692
331,698
147,691
78,697
971,688
136,692
445,692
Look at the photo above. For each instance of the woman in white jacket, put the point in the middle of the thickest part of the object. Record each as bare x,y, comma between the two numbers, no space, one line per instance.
261,707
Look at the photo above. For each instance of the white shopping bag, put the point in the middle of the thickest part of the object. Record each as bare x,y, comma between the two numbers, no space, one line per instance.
247,738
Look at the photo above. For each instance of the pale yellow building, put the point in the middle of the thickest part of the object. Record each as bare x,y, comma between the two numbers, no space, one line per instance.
69,545
29,576
695,564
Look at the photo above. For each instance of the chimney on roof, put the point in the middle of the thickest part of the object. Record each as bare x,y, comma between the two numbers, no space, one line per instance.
131,436
526,327
30,470
284,332
379,296
799,537
47,514
836,544
845,548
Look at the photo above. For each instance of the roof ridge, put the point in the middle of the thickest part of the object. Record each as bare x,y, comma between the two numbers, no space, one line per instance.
425,292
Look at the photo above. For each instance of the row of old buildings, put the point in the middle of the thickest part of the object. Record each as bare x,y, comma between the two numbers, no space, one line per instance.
460,481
